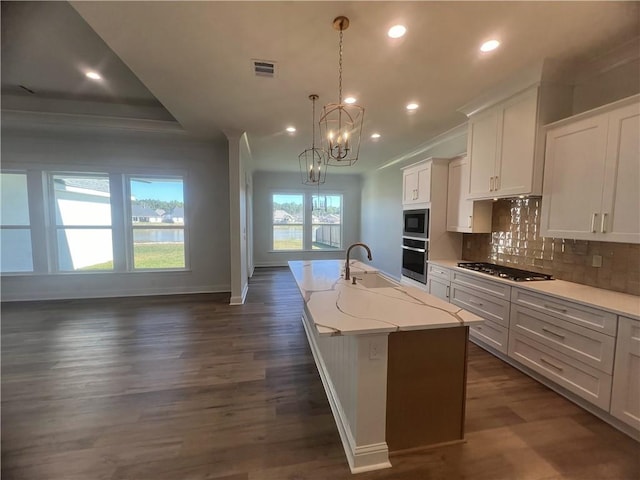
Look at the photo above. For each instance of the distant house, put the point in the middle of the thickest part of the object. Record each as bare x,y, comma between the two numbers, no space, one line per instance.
280,216
175,216
142,214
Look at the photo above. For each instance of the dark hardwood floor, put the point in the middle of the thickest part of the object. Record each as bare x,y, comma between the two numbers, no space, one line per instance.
188,387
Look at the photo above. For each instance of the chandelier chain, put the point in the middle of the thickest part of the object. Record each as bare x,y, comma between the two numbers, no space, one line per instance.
340,71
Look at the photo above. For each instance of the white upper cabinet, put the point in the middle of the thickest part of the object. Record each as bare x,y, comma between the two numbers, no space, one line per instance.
416,184
506,141
464,215
592,175
501,146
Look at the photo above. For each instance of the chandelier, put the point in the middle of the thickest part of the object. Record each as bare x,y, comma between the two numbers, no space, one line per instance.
341,123
312,161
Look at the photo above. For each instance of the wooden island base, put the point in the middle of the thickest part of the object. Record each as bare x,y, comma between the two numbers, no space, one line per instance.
426,385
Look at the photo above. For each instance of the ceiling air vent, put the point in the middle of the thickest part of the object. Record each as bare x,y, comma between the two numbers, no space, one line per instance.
264,68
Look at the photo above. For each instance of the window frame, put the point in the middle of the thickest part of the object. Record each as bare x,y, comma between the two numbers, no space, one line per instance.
130,227
304,218
307,222
44,228
52,236
27,227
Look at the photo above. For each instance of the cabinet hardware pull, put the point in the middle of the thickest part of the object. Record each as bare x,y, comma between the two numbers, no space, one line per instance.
593,222
497,183
469,221
491,184
557,309
603,223
475,303
543,360
552,333
448,291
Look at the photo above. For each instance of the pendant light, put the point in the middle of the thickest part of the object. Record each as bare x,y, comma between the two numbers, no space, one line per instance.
312,160
341,123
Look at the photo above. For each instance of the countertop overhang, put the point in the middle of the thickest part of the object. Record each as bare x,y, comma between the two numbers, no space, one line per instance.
337,307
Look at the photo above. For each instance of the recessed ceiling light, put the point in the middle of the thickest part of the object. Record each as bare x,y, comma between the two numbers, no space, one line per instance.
291,129
412,106
489,45
350,100
375,136
93,75
397,31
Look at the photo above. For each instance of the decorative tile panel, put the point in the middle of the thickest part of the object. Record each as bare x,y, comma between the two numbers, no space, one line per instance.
515,241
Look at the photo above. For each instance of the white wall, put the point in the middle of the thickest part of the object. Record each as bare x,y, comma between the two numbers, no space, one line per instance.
382,201
206,198
266,183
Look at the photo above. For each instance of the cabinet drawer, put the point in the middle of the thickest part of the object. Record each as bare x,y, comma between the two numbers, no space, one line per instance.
577,377
436,271
593,348
485,306
491,334
486,286
593,318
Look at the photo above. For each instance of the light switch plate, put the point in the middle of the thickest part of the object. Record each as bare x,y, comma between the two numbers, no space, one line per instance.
597,261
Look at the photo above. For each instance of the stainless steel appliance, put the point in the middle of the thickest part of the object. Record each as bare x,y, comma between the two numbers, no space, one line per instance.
414,258
501,271
416,223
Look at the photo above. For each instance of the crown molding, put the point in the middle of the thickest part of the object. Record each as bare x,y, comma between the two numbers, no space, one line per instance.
425,148
54,121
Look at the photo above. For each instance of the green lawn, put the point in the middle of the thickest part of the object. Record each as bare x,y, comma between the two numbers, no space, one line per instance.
151,255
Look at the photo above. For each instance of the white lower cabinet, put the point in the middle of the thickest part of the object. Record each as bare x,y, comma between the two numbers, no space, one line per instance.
625,397
438,289
487,299
577,377
438,281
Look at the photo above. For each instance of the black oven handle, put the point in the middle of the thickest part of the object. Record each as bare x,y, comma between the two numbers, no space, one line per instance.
419,250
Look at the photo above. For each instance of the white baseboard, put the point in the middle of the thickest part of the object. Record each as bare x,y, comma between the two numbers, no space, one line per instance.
239,300
361,458
140,292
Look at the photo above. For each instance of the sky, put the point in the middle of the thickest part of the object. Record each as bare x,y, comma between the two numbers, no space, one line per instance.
157,189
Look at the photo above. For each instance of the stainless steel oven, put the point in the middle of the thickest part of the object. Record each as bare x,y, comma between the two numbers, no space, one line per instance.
414,258
416,223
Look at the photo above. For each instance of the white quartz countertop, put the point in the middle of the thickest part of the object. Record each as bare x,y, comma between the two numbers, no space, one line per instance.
616,302
339,308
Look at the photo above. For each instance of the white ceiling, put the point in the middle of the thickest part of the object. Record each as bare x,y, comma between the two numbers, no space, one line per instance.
195,58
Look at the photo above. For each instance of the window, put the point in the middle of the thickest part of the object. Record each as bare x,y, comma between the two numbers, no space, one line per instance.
82,210
157,222
326,222
15,227
288,222
321,229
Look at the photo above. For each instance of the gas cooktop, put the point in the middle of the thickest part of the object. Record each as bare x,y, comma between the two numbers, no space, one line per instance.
509,273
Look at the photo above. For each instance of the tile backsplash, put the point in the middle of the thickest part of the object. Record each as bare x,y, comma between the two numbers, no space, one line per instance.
515,241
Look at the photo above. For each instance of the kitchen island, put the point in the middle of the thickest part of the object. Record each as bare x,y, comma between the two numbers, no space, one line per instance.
391,357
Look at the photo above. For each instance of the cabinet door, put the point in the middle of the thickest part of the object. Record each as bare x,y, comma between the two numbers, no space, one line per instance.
482,147
625,397
459,209
424,183
516,145
439,289
573,179
410,186
620,220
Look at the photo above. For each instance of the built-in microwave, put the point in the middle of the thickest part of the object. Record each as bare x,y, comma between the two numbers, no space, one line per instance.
416,223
